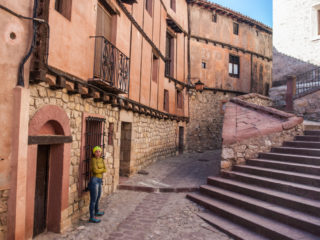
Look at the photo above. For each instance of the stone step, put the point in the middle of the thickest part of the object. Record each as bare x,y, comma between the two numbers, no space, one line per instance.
291,217
298,151
302,144
258,224
230,228
313,160
279,185
280,198
312,132
308,138
286,166
307,179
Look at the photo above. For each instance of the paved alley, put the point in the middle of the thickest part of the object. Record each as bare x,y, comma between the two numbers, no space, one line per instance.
154,215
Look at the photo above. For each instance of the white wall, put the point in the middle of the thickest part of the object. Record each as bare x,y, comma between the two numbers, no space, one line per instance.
295,29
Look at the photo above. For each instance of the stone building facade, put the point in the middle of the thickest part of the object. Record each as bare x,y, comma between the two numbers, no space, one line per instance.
296,37
114,73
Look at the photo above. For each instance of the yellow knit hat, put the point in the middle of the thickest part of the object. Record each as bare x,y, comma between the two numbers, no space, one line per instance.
96,148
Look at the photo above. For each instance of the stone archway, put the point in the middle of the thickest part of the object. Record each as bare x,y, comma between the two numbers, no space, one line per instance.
50,122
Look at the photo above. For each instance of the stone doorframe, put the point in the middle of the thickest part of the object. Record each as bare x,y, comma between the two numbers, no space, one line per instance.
49,120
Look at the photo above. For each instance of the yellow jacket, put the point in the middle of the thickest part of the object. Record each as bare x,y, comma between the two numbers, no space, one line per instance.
97,167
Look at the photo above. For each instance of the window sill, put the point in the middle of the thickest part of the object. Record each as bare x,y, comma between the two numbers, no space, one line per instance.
234,76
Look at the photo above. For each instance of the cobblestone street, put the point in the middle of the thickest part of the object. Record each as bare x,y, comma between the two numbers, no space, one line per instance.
162,216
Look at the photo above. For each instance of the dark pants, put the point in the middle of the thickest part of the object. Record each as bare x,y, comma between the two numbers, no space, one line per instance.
95,193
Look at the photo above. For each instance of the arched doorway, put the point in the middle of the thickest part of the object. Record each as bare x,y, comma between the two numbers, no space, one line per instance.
48,170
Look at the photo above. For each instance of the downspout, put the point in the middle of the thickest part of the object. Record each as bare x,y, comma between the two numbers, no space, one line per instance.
189,30
251,77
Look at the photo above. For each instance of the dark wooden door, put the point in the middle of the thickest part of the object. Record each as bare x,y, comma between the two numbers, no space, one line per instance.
41,192
181,134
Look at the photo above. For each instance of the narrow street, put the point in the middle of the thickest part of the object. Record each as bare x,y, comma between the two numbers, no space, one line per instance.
163,216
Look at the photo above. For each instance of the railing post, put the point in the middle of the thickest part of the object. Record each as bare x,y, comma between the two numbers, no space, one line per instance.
291,91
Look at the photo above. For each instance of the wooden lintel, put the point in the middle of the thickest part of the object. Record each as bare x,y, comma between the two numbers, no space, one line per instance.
49,139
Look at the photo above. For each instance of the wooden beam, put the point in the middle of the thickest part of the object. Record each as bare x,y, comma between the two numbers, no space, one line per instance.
49,139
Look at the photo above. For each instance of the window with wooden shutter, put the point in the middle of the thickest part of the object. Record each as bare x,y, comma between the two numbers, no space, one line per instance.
169,55
235,28
149,6
179,99
166,101
155,67
64,7
234,66
110,134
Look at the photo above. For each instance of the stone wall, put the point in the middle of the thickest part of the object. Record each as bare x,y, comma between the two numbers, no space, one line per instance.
257,99
308,106
278,96
4,196
239,152
206,118
152,139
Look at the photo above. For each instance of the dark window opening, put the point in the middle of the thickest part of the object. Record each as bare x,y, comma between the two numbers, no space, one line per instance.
204,65
166,101
214,17
94,136
179,99
169,55
173,5
155,67
64,8
149,6
236,28
110,134
234,66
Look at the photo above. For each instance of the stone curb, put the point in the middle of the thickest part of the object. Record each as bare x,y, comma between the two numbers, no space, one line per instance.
156,189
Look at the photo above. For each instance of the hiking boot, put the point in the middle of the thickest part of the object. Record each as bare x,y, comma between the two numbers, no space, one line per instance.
99,214
94,220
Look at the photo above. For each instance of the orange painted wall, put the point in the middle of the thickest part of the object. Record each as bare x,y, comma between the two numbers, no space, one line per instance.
12,50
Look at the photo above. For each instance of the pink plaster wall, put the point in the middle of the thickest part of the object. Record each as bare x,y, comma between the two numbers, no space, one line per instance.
71,50
11,52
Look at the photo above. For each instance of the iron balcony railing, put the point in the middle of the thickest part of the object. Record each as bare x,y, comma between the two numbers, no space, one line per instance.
308,82
111,65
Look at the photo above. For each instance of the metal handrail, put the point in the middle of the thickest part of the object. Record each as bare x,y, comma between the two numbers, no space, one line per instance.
308,82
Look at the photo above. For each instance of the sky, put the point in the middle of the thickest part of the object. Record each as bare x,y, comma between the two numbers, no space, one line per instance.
260,10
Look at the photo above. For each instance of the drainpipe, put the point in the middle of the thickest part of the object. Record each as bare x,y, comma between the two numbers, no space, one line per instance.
251,76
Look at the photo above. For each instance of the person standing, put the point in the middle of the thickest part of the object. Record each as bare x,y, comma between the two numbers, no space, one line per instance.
97,168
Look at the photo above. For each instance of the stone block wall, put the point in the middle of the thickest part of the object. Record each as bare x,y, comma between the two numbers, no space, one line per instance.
257,99
151,139
308,106
4,196
206,118
239,152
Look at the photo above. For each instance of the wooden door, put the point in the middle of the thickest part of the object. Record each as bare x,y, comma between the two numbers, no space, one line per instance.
181,139
41,191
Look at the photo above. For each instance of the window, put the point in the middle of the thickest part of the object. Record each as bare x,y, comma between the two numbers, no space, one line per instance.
166,101
179,99
204,65
318,22
235,28
234,66
149,6
214,17
94,136
169,55
173,5
155,67
64,7
110,134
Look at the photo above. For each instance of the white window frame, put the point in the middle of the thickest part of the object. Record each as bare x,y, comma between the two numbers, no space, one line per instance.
315,22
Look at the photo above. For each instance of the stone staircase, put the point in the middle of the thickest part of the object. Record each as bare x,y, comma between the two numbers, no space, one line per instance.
276,196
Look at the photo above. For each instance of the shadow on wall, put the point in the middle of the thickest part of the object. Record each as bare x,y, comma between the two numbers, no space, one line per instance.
286,65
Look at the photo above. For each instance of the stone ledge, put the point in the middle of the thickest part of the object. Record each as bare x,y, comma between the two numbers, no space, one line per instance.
156,189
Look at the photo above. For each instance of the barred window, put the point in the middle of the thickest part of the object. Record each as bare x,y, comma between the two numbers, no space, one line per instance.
169,55
94,136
